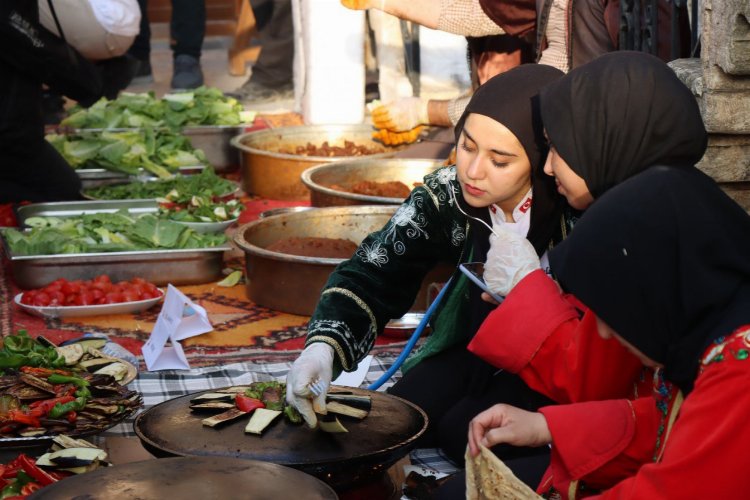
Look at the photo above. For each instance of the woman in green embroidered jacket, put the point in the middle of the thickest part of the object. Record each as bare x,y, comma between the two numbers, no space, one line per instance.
497,181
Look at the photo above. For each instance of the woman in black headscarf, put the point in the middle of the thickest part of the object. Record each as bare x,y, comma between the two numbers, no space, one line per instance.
662,261
497,179
615,117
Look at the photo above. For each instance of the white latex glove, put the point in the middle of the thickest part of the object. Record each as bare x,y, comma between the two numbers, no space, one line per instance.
400,115
315,363
510,259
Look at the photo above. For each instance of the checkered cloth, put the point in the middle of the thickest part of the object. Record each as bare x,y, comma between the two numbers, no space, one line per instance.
161,386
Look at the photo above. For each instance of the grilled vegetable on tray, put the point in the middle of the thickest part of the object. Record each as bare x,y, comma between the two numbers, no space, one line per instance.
265,401
45,390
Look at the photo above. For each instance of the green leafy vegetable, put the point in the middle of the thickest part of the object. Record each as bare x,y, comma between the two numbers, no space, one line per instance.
160,152
106,232
201,209
178,189
201,106
21,350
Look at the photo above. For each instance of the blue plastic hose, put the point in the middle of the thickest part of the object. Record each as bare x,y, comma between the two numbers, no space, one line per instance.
412,340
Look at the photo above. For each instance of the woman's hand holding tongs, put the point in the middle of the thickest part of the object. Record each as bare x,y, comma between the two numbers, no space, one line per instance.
308,381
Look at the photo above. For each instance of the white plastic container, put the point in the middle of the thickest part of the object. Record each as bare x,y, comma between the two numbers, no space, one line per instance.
333,45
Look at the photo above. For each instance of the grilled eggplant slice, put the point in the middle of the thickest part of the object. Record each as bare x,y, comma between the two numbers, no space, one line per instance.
361,402
212,406
72,353
63,441
329,423
117,370
72,457
94,364
223,418
261,419
349,411
37,382
33,432
213,397
234,390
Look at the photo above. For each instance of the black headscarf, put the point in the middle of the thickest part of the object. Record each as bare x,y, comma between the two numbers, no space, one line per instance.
620,114
662,259
512,99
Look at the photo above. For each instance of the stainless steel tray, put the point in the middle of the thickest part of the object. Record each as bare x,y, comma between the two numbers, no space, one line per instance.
212,139
215,143
179,267
73,208
94,177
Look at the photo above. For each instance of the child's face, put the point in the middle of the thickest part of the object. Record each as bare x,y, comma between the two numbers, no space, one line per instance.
492,165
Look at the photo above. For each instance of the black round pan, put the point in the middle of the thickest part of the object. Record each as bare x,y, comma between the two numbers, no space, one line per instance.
342,460
193,477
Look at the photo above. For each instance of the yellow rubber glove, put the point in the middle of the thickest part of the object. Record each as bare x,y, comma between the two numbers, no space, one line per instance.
359,4
401,115
390,138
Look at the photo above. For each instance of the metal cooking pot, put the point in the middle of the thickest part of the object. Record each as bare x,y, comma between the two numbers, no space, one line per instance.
292,283
270,174
318,179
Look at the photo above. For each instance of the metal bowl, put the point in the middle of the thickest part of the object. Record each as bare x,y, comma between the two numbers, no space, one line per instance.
292,283
318,179
281,211
270,174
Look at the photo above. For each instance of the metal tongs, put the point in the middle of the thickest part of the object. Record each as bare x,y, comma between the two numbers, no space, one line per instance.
317,387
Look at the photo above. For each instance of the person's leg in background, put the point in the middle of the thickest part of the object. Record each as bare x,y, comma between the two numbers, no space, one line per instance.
187,29
141,48
272,76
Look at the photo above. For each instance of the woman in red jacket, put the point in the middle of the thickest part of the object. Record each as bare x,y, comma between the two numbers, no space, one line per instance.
662,262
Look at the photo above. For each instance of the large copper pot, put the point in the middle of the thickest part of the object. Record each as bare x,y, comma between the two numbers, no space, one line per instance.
292,283
270,174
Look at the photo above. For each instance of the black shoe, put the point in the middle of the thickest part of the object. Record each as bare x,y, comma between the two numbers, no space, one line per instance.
142,72
186,73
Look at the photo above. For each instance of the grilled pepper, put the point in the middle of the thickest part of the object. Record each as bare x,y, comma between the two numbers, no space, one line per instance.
38,475
83,385
61,409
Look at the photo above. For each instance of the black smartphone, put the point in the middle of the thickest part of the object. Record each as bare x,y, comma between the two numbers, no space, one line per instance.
475,272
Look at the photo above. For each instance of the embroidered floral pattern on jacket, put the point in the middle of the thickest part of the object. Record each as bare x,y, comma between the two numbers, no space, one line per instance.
736,345
409,216
375,254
